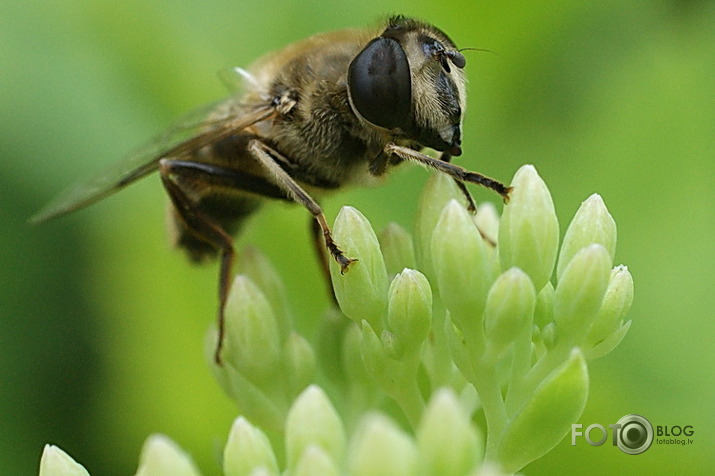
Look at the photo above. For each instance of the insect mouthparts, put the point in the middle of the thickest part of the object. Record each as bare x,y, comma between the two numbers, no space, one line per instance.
455,150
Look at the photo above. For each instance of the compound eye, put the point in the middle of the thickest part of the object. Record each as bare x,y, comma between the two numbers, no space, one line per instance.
379,84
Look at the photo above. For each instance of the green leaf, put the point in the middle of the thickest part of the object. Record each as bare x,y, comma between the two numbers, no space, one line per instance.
547,416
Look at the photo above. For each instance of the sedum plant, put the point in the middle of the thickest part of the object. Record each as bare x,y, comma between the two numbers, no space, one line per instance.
434,332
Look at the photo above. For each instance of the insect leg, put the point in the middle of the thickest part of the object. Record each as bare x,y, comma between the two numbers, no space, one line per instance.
317,235
268,159
454,171
471,206
179,178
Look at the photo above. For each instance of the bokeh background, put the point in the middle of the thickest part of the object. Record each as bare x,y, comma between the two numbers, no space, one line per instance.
102,324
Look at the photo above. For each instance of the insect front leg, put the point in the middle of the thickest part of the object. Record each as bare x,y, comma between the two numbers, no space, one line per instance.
268,159
471,206
454,171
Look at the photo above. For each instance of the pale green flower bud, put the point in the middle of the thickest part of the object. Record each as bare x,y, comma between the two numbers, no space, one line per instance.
459,351
607,345
247,449
509,311
351,358
374,356
608,330
315,461
261,472
461,265
312,420
397,248
409,310
262,405
448,444
380,448
162,457
390,345
329,344
548,335
491,469
254,264
55,462
487,221
616,304
362,290
395,376
591,224
529,229
544,310
547,416
579,293
438,191
252,344
299,363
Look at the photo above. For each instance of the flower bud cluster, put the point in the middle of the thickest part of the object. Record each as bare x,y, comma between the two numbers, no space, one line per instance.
486,314
265,362
499,320
315,443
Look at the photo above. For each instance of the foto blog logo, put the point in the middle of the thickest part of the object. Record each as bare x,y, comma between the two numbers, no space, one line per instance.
633,434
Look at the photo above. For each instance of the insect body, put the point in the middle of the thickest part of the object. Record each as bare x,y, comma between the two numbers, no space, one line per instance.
331,110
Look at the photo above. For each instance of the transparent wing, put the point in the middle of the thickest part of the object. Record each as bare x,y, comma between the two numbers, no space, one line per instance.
236,78
195,130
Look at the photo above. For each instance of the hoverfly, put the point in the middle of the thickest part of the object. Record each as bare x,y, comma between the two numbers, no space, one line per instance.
315,116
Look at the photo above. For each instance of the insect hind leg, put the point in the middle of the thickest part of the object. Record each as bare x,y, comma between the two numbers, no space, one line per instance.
204,229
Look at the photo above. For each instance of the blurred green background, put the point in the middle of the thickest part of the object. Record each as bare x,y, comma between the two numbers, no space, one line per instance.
102,324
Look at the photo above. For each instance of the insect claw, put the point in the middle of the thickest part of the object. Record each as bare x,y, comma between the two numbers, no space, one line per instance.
505,194
345,263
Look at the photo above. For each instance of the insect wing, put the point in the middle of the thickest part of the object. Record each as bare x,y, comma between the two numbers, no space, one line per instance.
196,129
236,79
